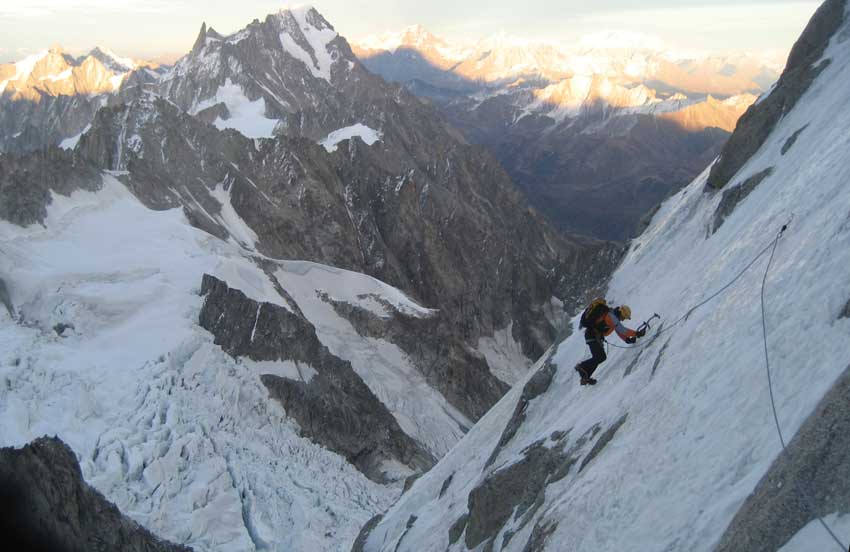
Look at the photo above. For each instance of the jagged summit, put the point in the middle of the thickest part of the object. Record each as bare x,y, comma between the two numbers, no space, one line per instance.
112,60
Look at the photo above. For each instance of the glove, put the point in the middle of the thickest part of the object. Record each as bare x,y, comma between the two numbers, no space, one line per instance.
641,332
631,340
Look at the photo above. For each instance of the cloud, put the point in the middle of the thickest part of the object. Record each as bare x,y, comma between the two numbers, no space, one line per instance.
21,9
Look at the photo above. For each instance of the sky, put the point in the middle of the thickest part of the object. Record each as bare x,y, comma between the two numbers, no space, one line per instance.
150,29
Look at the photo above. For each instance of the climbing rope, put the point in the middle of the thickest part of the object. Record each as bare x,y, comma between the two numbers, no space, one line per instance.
805,490
770,246
807,495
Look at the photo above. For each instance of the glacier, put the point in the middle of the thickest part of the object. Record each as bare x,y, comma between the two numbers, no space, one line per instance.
106,353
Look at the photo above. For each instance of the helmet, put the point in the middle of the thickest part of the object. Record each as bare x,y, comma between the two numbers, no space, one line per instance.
625,312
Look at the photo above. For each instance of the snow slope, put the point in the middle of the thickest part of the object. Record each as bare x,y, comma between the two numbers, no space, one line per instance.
421,411
182,437
697,431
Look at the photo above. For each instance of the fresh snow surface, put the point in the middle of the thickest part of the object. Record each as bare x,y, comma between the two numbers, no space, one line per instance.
246,116
700,433
422,412
814,537
365,133
71,143
183,438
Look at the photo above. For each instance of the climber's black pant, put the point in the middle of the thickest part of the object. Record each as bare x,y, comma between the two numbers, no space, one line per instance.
597,349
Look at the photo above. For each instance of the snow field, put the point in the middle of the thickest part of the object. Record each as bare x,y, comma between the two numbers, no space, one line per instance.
183,438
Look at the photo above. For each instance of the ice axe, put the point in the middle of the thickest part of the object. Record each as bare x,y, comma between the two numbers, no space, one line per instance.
645,325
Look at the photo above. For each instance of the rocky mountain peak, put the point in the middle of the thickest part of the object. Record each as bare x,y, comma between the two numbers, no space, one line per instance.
200,42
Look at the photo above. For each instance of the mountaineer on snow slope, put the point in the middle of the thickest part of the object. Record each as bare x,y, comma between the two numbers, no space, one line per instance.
599,321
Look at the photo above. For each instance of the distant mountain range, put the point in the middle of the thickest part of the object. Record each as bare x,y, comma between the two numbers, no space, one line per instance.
51,96
595,134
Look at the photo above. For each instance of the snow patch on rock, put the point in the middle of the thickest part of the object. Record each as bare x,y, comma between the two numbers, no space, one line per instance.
365,133
71,143
246,116
230,219
421,411
504,355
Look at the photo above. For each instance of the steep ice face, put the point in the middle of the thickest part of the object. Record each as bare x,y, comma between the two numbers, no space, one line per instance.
662,453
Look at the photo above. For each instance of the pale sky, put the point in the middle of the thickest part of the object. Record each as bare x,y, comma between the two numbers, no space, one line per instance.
149,28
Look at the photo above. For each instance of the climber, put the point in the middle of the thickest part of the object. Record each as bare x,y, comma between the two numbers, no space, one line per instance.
600,320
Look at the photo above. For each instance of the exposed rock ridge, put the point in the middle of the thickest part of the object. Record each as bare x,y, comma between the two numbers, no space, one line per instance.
460,374
735,195
804,65
27,182
47,506
809,480
334,407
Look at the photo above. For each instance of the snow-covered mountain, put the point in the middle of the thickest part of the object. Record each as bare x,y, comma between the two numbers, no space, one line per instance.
51,96
577,126
631,57
676,447
264,287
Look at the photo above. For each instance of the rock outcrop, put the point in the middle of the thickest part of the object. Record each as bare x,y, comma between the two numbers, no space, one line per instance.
47,506
28,182
804,65
331,404
5,299
735,195
805,482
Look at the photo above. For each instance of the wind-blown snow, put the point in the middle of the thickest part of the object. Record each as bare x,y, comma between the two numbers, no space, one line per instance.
183,438
246,116
699,435
365,133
